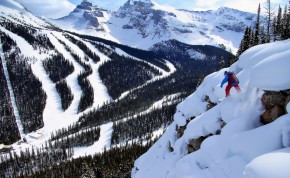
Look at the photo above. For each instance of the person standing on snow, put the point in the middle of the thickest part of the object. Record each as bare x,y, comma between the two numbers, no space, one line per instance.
232,80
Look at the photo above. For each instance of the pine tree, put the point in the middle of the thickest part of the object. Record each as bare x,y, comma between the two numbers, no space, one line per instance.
200,80
284,24
246,41
257,28
279,25
288,22
222,62
275,29
269,15
232,59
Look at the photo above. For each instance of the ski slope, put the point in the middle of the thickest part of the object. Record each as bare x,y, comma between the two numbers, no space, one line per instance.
54,116
164,73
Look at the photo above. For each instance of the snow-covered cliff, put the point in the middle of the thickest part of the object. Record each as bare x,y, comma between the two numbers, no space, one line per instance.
229,139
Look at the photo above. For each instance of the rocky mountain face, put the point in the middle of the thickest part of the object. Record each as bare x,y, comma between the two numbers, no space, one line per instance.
142,23
141,16
85,15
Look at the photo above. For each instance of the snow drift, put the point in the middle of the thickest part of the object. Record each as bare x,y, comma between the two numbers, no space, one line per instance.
237,144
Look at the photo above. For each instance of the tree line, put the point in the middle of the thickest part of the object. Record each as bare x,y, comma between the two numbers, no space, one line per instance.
65,94
57,67
142,126
32,160
31,35
81,138
8,128
47,162
87,97
30,103
276,27
124,73
148,56
84,48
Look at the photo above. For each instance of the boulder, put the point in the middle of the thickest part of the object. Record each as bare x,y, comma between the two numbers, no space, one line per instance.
275,105
180,129
194,144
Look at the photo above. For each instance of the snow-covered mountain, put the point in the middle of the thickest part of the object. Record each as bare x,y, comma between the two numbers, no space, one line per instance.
85,16
16,13
240,136
142,23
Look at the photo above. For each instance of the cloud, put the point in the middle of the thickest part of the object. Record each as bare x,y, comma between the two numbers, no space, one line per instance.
60,8
48,8
245,5
208,5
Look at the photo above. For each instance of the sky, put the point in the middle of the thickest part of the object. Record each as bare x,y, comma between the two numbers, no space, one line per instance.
60,8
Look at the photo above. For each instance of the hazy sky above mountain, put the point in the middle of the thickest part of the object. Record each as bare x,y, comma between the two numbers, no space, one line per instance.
60,8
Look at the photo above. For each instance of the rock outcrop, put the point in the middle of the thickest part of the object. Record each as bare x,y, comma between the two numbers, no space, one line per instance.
275,105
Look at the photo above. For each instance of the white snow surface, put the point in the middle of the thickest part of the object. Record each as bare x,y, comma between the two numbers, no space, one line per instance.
244,148
14,10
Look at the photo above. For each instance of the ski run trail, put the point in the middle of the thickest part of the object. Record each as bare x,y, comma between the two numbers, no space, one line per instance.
54,117
11,93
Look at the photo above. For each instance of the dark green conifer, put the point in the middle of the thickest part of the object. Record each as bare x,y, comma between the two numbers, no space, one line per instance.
257,28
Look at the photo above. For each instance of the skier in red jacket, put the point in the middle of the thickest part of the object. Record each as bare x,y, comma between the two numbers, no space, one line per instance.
232,80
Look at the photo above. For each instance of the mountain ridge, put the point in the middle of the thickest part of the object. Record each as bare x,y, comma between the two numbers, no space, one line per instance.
142,24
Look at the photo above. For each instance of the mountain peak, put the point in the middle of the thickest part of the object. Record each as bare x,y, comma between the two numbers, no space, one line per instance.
85,15
144,1
138,3
85,4
223,10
